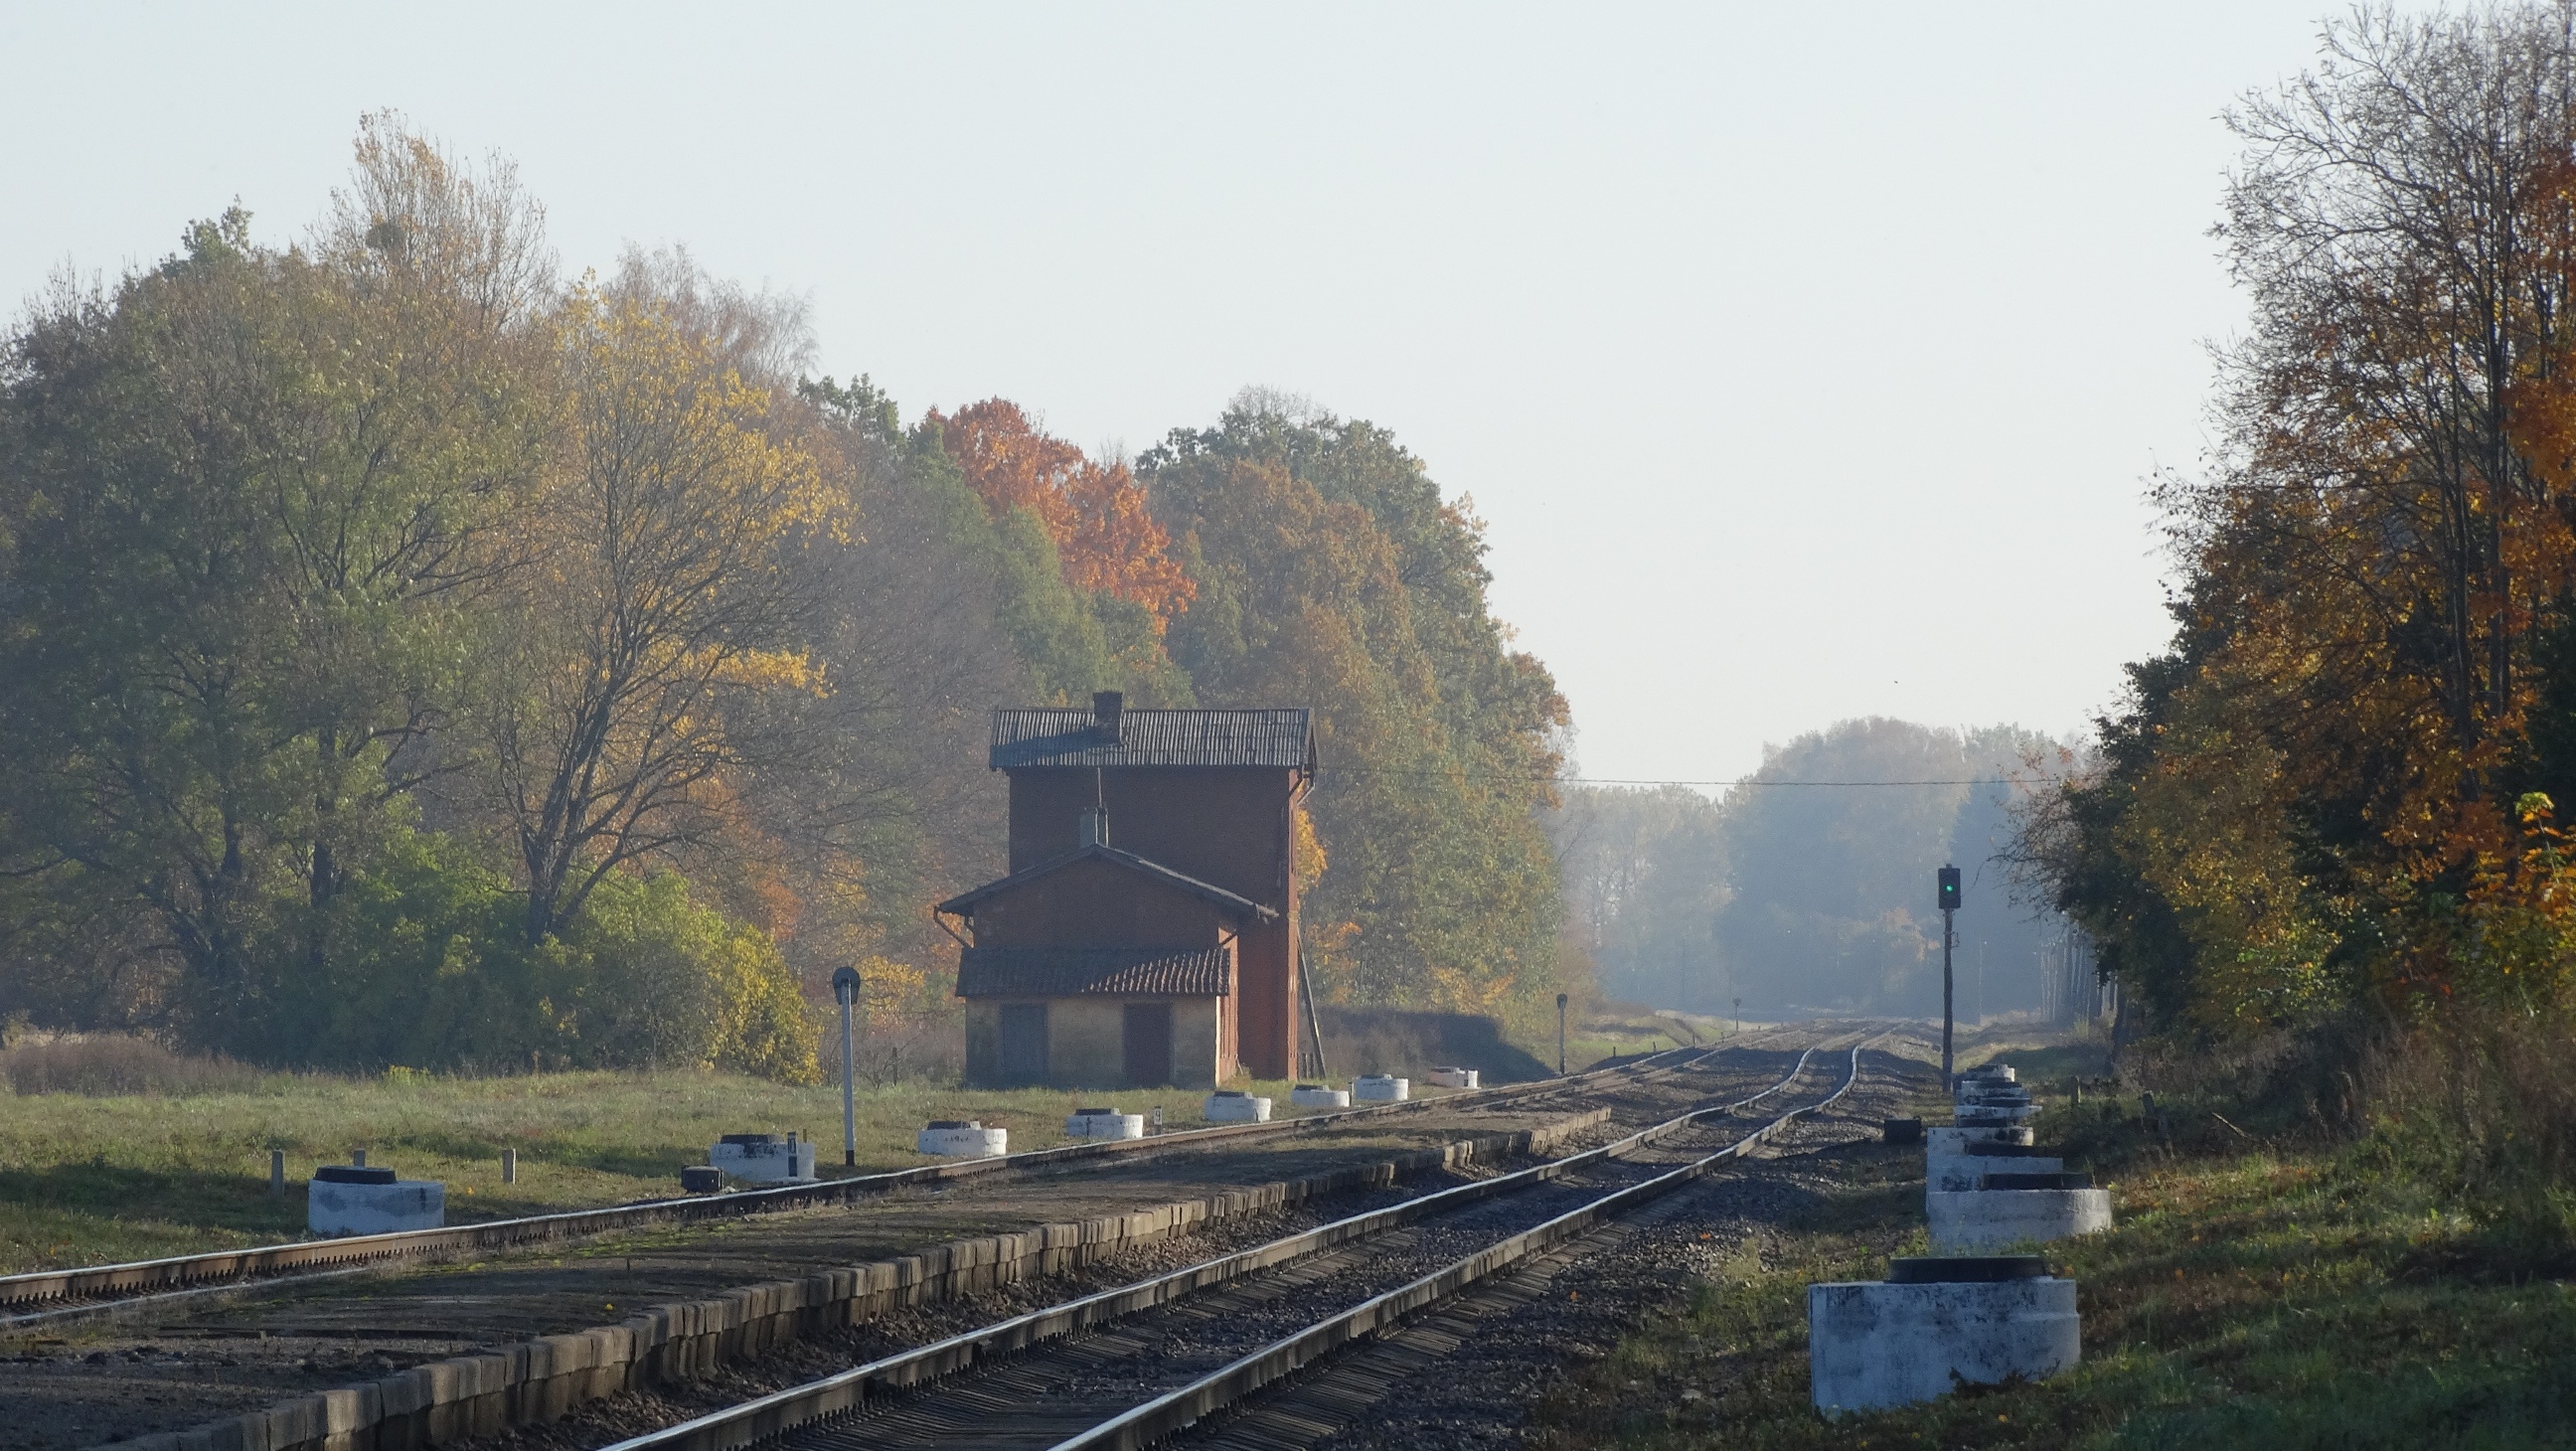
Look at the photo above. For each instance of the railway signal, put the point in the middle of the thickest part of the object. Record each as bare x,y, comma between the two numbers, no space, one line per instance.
1947,890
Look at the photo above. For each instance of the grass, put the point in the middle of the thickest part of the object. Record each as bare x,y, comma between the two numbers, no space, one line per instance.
2278,1298
98,1179
2045,1062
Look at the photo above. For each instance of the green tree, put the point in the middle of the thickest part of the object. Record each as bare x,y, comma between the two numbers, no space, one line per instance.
1329,571
246,489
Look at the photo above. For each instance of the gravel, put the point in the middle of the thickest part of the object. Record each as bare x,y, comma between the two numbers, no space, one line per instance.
1175,1343
1468,1375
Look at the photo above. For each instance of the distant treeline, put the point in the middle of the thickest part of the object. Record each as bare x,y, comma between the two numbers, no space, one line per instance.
1800,899
409,656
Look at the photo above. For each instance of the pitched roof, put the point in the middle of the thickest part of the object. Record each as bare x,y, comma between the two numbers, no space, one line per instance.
1054,972
963,904
1072,736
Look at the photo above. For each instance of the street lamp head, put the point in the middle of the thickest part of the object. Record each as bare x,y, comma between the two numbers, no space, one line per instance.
845,984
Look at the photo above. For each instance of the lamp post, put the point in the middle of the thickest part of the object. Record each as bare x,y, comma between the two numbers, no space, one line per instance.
845,986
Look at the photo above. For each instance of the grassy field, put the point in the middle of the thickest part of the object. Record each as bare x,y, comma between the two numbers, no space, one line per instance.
95,1179
2269,1297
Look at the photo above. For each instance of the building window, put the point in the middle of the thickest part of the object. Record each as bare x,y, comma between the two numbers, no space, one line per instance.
1024,1042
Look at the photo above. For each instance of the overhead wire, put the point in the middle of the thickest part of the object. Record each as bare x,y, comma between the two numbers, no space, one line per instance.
1639,781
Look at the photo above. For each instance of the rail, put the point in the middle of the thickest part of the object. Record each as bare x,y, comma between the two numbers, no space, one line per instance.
798,1406
130,1282
1179,1409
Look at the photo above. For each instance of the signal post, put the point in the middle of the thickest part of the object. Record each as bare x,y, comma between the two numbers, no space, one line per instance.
1949,898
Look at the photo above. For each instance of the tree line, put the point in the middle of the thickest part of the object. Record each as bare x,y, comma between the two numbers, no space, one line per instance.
411,655
2341,796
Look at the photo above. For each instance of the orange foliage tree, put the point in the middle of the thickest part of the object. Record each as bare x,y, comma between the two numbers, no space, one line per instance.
2340,783
1094,512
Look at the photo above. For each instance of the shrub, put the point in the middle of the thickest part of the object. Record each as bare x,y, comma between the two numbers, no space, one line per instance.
110,1065
427,966
2481,1107
648,977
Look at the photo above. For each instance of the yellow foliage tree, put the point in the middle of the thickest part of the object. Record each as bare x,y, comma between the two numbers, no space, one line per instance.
663,609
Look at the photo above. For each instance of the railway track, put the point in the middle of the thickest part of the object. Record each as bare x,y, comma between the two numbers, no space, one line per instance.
54,1296
1132,1365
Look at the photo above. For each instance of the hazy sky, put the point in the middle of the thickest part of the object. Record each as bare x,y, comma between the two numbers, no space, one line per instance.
1806,360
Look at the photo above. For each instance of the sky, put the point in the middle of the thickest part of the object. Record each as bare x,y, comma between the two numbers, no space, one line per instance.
1804,361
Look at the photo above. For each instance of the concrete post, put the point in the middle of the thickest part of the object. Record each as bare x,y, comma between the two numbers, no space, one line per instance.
509,1166
1560,1035
357,1158
277,1173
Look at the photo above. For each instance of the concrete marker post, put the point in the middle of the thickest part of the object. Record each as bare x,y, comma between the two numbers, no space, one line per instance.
1560,1035
509,1166
1935,1324
845,986
277,1173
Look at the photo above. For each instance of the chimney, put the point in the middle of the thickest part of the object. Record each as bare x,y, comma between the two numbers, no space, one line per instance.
1094,830
1107,707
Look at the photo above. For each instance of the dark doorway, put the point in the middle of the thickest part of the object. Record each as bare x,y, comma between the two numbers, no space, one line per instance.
1024,1043
1149,1044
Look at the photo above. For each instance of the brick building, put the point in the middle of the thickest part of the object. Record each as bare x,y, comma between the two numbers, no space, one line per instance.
1147,930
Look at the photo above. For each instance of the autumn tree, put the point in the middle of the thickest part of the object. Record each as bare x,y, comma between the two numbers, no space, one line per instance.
1084,584
405,658
2319,797
250,488
419,338
893,806
1105,539
1330,571
662,606
148,717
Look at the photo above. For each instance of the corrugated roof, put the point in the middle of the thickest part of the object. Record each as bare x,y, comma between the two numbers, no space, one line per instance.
1072,736
1056,972
963,904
